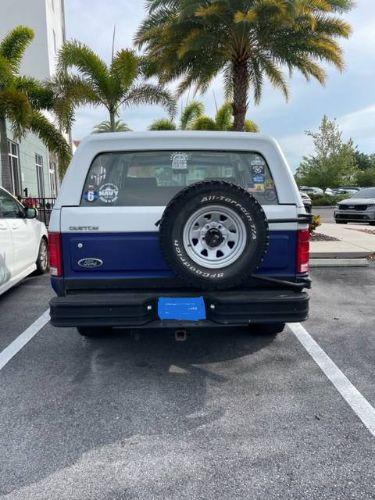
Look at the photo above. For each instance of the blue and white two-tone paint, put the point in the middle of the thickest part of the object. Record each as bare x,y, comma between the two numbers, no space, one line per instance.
124,239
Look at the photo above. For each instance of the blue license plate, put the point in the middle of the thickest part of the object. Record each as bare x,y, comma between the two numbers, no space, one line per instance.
184,308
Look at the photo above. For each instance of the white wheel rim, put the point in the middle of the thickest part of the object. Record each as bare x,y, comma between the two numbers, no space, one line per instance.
214,237
43,256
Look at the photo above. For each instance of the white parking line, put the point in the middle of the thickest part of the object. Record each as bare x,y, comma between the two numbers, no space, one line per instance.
352,396
9,352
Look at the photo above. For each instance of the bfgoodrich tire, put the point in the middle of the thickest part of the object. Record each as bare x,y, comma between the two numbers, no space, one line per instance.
214,235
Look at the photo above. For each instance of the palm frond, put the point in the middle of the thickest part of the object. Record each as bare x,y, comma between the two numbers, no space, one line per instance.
70,91
78,55
105,126
52,138
153,5
6,72
250,126
14,44
150,94
275,76
15,106
162,124
39,95
190,113
204,123
224,117
124,68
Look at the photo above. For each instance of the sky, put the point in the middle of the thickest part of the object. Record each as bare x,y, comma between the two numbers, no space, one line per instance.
349,96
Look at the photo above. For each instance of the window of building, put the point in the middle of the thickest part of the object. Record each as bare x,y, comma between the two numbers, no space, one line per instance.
40,175
15,171
53,179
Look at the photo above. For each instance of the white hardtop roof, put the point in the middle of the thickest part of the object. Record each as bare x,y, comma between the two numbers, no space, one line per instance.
164,139
91,146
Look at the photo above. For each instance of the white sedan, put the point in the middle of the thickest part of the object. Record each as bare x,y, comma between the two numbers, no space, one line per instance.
23,242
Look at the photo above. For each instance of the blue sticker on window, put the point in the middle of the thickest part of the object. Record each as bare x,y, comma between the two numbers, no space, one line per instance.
188,309
259,179
90,196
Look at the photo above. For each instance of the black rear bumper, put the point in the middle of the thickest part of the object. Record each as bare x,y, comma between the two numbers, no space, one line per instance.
140,309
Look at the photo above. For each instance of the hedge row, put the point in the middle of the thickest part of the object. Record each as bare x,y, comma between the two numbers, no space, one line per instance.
324,200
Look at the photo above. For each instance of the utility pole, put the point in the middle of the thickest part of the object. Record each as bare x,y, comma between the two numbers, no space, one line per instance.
113,42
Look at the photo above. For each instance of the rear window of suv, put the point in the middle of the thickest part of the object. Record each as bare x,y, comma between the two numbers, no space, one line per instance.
152,178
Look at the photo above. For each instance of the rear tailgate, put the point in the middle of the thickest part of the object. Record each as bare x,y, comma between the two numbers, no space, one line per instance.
125,242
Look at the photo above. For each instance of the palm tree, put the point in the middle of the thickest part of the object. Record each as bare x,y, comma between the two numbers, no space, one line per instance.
106,126
163,124
98,84
189,114
222,121
193,118
246,40
192,112
22,100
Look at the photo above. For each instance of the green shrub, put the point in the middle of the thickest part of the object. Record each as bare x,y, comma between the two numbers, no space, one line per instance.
324,200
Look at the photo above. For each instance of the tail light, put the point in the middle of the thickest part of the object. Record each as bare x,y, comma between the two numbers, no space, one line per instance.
303,251
55,254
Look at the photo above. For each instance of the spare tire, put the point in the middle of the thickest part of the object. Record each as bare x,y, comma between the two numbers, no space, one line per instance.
214,235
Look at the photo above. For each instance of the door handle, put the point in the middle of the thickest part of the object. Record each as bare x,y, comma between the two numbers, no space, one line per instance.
3,228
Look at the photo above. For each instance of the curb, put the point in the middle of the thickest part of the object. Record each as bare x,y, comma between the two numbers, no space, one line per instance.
361,254
338,262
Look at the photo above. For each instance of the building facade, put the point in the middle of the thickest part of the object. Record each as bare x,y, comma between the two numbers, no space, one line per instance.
33,168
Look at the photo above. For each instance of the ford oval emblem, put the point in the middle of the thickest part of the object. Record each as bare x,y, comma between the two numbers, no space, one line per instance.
90,263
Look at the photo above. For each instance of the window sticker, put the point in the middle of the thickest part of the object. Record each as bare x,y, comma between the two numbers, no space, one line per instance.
259,168
259,188
91,195
179,161
108,193
259,178
257,161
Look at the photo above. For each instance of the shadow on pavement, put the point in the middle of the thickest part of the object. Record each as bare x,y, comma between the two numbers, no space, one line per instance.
87,394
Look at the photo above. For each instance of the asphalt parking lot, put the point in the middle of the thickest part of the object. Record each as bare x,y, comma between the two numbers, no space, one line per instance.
226,414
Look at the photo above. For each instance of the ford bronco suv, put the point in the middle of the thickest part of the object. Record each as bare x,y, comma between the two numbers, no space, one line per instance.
179,230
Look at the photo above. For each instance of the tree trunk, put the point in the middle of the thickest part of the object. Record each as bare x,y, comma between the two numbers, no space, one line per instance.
240,92
112,119
6,175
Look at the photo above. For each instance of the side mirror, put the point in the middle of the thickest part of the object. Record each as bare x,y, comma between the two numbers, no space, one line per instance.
31,213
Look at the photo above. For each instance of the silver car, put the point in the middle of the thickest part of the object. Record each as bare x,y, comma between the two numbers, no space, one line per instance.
359,208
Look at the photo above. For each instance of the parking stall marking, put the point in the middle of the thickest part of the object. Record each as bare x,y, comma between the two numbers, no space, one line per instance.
359,404
9,352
